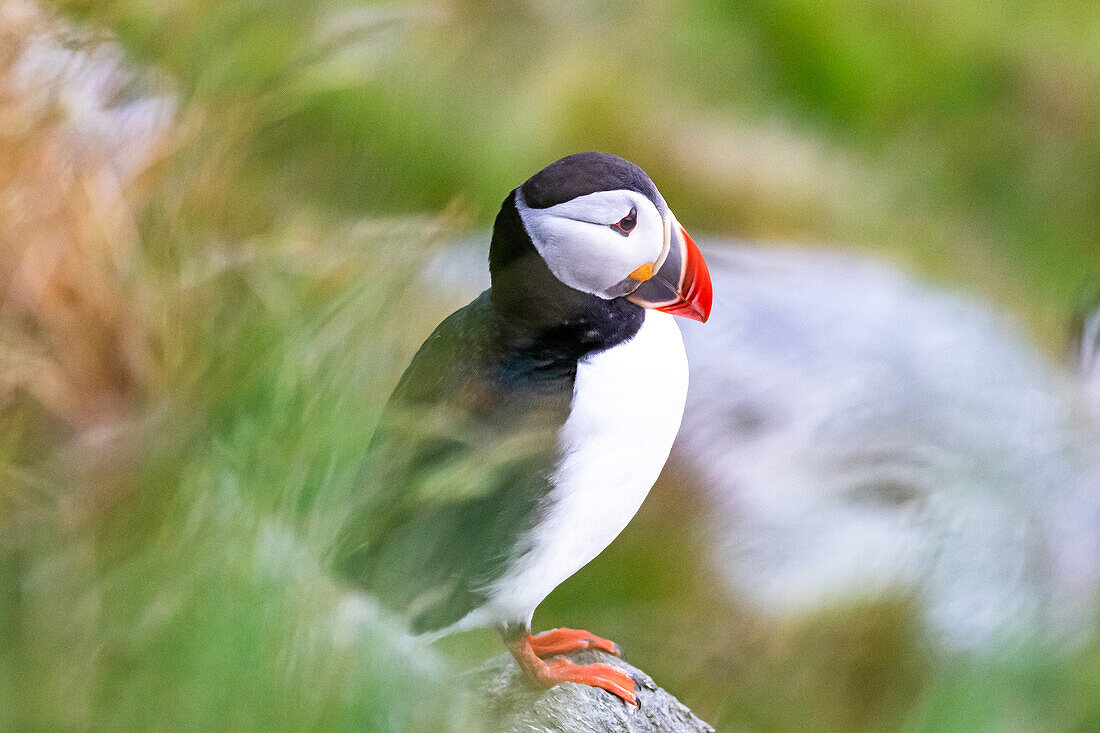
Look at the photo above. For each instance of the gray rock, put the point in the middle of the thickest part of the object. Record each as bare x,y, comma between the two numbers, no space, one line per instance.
863,434
514,705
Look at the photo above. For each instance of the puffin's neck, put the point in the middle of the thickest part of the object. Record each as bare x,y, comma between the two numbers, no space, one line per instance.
538,310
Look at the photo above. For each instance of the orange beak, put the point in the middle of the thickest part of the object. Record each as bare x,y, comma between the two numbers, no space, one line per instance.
681,284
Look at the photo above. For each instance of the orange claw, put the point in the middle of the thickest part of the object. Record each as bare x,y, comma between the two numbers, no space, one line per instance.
564,641
612,679
548,674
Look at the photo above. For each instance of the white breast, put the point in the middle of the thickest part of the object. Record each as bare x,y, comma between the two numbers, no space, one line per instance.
627,406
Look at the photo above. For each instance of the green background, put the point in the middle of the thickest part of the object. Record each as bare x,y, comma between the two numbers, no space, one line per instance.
178,455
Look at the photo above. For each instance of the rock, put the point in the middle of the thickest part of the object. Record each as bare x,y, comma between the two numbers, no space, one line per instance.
512,704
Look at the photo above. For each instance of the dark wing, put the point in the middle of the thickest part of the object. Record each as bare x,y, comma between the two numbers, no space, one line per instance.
457,468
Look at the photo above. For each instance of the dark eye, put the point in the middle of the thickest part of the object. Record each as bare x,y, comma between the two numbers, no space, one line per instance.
626,225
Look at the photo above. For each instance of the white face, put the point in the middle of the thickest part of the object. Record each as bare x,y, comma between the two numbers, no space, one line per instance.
580,245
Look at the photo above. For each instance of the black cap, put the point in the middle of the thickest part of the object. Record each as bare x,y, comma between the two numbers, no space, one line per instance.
583,173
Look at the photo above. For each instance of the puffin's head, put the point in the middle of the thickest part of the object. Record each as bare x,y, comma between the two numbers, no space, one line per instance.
602,228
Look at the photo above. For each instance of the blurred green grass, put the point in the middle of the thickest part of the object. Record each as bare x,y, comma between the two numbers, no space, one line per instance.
163,550
965,132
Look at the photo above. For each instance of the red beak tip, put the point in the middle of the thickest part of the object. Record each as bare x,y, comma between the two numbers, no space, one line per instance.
700,290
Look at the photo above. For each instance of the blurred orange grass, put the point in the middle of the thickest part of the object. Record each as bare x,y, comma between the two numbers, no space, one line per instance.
71,335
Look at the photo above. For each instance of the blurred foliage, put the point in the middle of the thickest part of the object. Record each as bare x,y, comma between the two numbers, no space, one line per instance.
198,327
962,136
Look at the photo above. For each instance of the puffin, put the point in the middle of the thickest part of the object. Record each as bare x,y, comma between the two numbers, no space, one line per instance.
532,423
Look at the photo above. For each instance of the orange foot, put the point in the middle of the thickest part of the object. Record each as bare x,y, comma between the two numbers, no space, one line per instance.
556,671
564,641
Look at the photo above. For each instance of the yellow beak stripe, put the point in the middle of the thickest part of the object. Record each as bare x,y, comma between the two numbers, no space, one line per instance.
643,273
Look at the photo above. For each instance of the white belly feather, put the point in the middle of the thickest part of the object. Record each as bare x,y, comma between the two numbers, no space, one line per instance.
626,411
